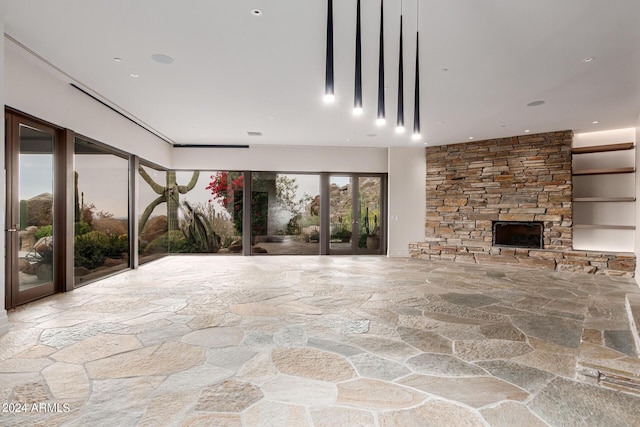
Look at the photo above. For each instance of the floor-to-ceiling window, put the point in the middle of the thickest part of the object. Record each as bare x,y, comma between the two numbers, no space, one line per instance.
153,224
285,213
101,211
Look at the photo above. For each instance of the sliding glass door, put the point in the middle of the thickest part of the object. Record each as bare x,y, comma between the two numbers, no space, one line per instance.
30,231
356,214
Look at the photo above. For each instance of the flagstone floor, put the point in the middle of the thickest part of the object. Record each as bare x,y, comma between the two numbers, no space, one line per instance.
320,341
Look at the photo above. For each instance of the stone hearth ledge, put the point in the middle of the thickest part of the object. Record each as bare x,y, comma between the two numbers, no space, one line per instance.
622,264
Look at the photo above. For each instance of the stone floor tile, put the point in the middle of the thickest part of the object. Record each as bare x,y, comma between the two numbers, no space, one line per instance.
335,416
556,330
526,377
14,342
559,364
502,331
63,337
232,358
97,347
369,365
228,396
29,393
385,347
334,346
426,341
469,300
300,391
443,364
214,337
377,395
67,381
208,420
165,359
473,391
490,349
313,364
24,365
194,378
275,414
566,402
257,370
167,409
510,414
621,341
291,335
434,413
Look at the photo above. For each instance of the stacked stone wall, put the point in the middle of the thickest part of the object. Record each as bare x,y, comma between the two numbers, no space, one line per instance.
522,178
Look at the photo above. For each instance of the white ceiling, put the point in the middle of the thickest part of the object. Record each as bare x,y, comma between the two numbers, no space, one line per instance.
234,72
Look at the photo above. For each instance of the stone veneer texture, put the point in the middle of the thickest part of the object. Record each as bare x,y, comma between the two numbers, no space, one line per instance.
521,178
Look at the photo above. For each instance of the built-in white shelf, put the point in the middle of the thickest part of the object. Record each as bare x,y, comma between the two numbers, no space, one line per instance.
605,226
604,199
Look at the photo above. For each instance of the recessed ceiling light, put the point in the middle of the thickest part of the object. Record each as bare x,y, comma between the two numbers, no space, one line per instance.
527,131
595,122
470,137
440,123
444,69
117,59
134,75
503,126
256,12
425,143
589,59
371,135
535,103
253,133
272,116
162,59
347,140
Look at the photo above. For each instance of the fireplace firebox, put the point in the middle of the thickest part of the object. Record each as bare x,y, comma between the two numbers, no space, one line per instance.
518,234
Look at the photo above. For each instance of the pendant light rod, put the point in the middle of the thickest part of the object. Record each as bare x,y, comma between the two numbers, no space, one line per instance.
381,111
329,95
357,96
416,105
400,120
416,99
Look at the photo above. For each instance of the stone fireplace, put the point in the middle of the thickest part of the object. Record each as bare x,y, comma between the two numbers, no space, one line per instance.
516,234
476,191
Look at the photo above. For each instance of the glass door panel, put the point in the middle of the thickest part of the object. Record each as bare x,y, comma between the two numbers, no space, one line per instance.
341,218
30,209
369,210
355,214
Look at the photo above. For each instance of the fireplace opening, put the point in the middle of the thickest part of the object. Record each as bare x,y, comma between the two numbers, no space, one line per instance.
518,234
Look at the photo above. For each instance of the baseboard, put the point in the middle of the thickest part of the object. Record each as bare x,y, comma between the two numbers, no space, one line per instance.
398,253
4,322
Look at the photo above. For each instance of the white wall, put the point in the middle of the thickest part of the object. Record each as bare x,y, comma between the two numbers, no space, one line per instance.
36,88
4,321
637,231
282,158
407,198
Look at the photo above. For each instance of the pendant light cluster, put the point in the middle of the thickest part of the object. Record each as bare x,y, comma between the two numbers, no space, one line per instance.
357,98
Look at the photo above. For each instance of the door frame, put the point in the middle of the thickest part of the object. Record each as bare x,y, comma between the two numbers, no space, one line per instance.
61,255
355,223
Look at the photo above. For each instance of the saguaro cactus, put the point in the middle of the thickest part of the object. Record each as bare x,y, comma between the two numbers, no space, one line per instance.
170,193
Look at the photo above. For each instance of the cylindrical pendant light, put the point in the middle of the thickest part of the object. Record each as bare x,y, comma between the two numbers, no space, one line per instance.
329,95
357,95
381,113
416,105
400,121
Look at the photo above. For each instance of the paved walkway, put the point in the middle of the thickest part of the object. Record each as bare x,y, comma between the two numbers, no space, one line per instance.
321,341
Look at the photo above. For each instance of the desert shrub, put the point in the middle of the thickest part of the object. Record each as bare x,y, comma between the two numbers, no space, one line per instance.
44,231
91,249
